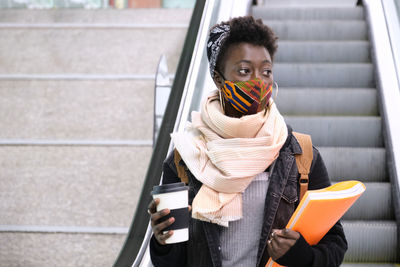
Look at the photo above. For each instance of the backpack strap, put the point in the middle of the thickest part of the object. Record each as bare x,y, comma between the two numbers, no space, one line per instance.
180,168
303,161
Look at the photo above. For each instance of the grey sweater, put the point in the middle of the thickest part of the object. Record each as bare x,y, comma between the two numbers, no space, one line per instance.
239,241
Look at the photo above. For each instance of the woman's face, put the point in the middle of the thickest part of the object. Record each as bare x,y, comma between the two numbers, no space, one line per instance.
245,62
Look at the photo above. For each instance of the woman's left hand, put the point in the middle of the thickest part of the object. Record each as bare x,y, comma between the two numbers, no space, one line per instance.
281,241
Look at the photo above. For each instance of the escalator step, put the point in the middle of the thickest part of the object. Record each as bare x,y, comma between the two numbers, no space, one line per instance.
319,29
328,89
324,75
371,241
301,13
367,164
315,52
368,265
375,204
327,101
340,131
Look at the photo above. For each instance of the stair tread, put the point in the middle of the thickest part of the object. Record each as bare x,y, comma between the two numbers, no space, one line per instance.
375,204
71,186
346,264
89,51
321,52
352,131
328,101
319,29
348,163
324,75
65,249
67,109
307,13
371,241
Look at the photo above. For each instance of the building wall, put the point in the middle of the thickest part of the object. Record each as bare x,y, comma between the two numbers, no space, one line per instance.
94,4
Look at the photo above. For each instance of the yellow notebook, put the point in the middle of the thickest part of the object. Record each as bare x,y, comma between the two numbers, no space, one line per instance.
320,209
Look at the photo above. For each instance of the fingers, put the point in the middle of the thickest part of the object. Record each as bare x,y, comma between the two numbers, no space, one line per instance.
278,247
287,233
155,217
161,238
158,228
272,250
159,234
280,242
157,224
152,208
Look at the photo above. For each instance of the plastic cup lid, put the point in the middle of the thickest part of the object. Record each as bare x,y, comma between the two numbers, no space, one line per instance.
168,188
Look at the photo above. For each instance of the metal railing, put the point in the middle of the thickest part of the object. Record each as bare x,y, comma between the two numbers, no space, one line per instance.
388,85
192,82
135,245
162,90
392,17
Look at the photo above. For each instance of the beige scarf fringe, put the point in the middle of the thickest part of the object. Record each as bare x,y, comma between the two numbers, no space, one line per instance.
225,154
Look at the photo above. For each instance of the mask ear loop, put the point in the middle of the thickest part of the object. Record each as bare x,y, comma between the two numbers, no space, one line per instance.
220,92
221,101
273,99
276,91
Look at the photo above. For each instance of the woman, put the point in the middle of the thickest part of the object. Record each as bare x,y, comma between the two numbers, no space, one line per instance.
238,157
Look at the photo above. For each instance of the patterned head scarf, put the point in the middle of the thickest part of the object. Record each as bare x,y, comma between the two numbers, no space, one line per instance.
216,39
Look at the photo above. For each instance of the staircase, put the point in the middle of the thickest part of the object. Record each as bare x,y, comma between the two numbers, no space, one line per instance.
76,116
327,89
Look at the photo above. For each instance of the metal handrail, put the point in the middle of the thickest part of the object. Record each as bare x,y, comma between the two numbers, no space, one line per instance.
162,90
388,84
143,258
195,83
135,243
392,16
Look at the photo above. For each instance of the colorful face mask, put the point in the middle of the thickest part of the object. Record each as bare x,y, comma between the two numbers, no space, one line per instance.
248,97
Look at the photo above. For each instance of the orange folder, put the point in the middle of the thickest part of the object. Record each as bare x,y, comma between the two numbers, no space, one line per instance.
320,209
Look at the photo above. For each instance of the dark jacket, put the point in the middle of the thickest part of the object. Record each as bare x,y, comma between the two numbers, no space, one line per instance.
203,248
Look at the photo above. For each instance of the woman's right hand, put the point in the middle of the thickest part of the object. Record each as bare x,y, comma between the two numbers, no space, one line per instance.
158,226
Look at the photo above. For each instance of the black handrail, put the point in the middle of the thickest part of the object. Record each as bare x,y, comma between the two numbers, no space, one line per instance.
140,221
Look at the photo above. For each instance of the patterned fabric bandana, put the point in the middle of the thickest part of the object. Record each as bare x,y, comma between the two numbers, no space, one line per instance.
248,97
216,39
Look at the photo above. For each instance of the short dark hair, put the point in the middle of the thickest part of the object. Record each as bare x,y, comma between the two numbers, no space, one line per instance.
248,30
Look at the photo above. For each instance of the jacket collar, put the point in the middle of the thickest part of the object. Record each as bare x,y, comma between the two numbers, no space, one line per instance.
291,145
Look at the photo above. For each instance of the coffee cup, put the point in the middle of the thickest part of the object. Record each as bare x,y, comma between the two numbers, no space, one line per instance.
175,198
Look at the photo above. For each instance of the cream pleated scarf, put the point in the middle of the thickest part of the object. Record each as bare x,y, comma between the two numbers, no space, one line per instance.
225,154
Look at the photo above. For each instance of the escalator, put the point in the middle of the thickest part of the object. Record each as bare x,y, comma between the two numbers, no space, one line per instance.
333,87
328,89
